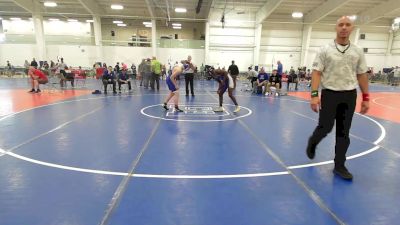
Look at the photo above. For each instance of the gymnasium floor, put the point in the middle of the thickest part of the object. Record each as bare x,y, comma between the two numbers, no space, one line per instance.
71,157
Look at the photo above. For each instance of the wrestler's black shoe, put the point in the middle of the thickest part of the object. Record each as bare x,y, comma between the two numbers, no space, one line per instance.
31,91
311,149
38,90
165,106
178,109
342,172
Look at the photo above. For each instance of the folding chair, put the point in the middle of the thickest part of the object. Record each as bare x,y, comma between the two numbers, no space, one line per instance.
246,86
79,78
125,87
53,85
80,81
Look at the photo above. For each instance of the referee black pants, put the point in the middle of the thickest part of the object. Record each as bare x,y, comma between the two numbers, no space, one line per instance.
336,106
189,81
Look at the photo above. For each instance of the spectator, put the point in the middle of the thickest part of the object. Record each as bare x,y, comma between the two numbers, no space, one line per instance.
9,66
292,78
63,74
280,72
233,70
45,65
123,78
156,72
141,71
163,72
26,66
117,68
134,71
34,63
52,68
308,78
69,76
262,81
109,78
38,77
80,73
8,69
124,66
308,74
280,68
252,76
147,73
274,81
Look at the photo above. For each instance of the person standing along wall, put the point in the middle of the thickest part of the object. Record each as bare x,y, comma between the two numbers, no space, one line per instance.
141,71
233,70
156,72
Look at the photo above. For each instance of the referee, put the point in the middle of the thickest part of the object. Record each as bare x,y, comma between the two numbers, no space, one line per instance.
339,67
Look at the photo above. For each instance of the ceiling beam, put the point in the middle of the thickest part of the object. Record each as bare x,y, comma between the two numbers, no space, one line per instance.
266,10
150,8
92,7
28,5
324,10
208,9
377,12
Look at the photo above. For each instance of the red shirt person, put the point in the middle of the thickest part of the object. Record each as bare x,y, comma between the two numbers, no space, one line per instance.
38,77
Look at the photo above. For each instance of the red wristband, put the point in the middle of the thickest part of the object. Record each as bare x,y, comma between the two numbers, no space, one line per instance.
365,97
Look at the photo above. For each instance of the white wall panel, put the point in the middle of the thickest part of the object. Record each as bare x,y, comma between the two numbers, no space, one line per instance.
178,54
18,27
232,31
282,33
283,41
243,59
279,44
17,53
277,49
396,43
66,28
231,40
373,44
87,55
269,60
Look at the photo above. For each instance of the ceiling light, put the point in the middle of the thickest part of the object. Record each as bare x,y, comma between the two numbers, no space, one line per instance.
72,20
180,10
396,20
177,28
117,21
176,25
54,19
121,25
89,21
50,4
15,18
353,17
297,14
117,7
147,23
